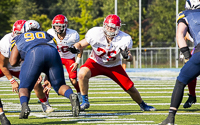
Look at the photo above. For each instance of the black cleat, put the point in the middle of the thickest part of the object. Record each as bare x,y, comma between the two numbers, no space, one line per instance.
190,101
75,105
167,121
25,111
4,120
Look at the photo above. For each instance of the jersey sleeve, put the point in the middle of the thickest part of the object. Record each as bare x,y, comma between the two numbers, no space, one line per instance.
181,18
89,35
13,42
5,46
51,37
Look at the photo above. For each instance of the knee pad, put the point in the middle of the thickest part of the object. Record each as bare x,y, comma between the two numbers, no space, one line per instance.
179,84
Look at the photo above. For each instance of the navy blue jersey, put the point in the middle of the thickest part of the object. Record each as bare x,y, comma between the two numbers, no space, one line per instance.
192,19
29,40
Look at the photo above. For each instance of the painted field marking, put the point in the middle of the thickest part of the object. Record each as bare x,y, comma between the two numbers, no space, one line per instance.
90,93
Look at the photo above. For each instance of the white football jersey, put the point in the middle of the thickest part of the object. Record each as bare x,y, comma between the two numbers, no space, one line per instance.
5,44
70,39
105,54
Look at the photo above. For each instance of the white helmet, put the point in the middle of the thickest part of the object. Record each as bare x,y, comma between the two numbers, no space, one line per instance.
31,25
192,4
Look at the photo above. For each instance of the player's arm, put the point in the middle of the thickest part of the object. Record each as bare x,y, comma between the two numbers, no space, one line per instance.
81,44
77,47
78,59
3,66
180,36
79,55
14,57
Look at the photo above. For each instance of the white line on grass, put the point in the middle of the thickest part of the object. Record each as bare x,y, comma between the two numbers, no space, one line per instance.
90,93
99,89
110,97
16,107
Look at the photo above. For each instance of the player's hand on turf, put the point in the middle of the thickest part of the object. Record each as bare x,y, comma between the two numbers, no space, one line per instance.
124,52
74,67
15,87
47,86
73,50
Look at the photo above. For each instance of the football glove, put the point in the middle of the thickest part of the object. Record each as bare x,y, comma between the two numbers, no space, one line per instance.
181,57
124,53
73,50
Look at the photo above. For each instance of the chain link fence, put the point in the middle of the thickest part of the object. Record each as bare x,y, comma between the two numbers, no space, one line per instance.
150,58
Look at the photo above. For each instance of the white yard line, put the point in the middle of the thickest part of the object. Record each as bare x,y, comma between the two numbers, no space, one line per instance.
121,88
15,107
110,97
90,93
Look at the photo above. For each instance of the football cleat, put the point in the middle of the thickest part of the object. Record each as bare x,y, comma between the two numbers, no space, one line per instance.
190,101
147,108
25,111
4,120
46,107
167,121
75,105
80,97
84,106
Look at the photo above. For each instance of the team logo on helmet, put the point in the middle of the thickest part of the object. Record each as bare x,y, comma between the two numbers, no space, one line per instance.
31,25
18,27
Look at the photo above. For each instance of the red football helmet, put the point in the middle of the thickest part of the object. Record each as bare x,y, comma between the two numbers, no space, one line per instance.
60,20
112,21
18,27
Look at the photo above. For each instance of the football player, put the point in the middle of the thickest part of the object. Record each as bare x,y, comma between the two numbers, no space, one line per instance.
188,21
107,43
66,38
9,71
39,52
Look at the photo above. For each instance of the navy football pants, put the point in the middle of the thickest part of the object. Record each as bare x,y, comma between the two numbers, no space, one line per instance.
42,58
190,70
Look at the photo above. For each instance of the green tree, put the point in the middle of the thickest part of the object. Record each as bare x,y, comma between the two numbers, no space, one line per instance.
24,10
86,20
162,15
69,9
128,12
43,20
6,10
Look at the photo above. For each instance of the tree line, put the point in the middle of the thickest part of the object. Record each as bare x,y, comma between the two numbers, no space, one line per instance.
158,17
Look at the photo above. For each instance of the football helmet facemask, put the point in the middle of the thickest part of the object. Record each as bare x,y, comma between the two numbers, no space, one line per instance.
60,20
31,25
18,27
192,4
112,21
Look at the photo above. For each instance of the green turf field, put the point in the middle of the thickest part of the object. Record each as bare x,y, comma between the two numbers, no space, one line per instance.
109,103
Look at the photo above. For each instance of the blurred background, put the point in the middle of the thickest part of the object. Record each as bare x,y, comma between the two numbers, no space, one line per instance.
158,23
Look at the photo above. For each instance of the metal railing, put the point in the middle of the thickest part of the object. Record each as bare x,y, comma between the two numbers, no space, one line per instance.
161,57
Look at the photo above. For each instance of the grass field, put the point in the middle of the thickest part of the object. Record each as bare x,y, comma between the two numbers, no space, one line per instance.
109,103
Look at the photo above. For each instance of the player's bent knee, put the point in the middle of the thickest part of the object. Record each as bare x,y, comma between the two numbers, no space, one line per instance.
178,83
73,81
